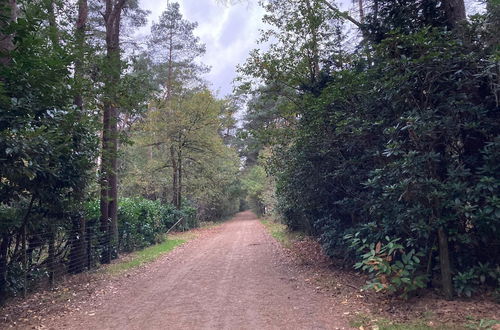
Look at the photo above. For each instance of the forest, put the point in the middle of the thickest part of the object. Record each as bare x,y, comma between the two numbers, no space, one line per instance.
376,131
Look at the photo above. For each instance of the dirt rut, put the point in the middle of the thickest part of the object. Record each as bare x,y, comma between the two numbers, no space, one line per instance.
237,277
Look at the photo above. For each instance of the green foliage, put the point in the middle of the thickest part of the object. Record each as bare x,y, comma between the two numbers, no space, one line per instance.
467,282
185,133
254,183
48,145
482,324
400,140
393,269
143,222
464,283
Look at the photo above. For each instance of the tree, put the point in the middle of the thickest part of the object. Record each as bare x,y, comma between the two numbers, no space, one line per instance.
455,12
109,189
186,126
394,148
173,48
190,164
78,256
48,145
8,13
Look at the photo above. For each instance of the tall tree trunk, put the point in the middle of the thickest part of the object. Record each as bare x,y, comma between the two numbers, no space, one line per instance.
109,182
440,173
80,30
8,12
170,67
455,12
104,202
78,243
113,182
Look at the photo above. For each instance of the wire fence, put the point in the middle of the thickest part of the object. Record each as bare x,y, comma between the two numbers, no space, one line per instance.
35,259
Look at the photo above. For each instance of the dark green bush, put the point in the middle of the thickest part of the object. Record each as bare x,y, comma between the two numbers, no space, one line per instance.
142,222
405,149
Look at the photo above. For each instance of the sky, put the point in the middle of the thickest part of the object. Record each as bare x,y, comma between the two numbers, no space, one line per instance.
228,31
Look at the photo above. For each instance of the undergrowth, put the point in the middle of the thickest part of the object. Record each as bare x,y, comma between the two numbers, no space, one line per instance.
281,233
363,321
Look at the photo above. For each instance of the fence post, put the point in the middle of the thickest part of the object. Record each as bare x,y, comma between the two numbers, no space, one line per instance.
51,256
25,264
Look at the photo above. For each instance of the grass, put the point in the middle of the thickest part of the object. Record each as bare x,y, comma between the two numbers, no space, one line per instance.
425,323
152,253
281,233
149,254
367,322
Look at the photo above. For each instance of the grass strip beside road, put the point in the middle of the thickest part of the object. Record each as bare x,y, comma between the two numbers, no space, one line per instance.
281,233
149,254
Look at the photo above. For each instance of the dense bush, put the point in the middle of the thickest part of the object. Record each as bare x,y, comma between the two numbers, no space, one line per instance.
392,157
143,222
407,162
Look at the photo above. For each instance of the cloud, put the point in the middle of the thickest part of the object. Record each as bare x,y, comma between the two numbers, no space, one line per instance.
228,31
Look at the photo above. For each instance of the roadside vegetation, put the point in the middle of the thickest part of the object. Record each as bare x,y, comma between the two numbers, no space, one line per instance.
374,132
383,145
106,139
146,255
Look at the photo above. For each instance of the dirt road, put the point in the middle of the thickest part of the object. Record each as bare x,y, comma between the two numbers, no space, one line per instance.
237,277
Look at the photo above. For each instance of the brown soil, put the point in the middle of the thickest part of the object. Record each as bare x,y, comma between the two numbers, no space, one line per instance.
234,277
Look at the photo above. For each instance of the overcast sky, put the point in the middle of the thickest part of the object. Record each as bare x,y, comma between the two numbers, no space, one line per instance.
228,31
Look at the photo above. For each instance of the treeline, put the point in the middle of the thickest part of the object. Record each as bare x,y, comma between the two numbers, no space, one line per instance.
385,145
91,112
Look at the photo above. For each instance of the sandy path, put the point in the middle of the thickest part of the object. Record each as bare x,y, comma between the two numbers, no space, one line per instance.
235,278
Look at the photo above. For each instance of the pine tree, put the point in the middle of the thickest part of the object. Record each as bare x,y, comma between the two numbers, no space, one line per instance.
173,49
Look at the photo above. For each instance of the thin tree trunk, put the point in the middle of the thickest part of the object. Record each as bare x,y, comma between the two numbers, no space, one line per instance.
79,246
361,11
104,203
444,260
179,165
170,68
81,27
51,257
9,10
455,12
25,263
113,182
53,31
4,248
444,254
175,173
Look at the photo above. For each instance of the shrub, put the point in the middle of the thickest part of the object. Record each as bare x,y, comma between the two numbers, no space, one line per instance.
141,222
393,269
